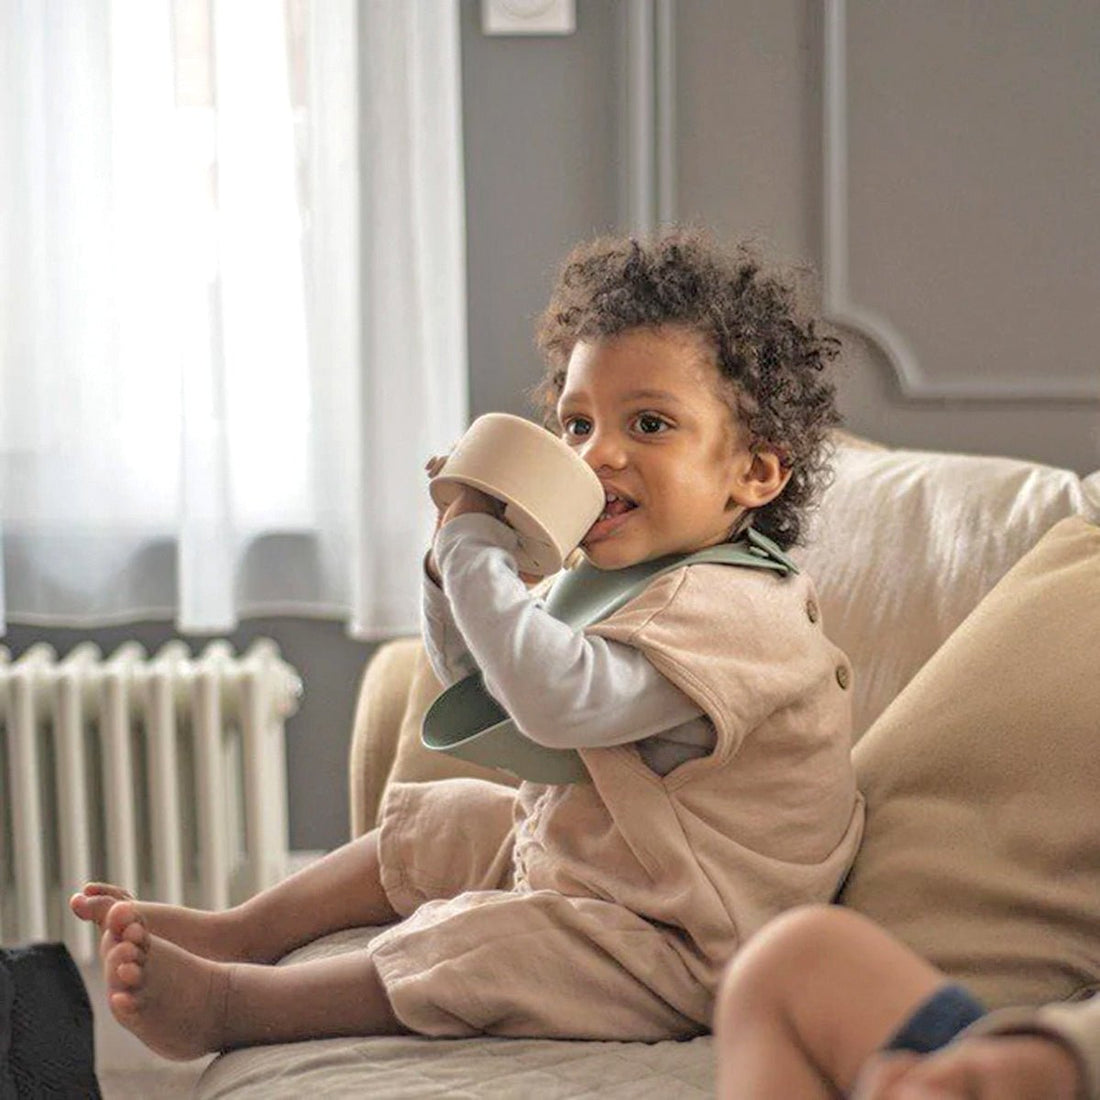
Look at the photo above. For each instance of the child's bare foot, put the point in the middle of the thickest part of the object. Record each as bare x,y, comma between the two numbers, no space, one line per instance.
172,1000
94,902
217,936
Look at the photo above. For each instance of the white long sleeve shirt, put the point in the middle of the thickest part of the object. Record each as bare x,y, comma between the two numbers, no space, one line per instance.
561,688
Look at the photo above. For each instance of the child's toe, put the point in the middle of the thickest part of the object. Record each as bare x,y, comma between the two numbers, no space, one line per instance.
125,967
107,890
136,933
129,975
122,1003
106,942
121,916
93,908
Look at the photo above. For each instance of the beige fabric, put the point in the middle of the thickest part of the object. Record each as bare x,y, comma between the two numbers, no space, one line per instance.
381,706
415,763
1076,1025
397,689
478,953
841,438
441,839
627,895
772,817
982,845
407,1067
906,543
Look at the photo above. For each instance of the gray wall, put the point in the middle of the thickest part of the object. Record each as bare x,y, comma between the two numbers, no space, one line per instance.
972,193
540,119
544,155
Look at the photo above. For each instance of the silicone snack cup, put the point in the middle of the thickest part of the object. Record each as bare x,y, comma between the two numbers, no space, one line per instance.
551,496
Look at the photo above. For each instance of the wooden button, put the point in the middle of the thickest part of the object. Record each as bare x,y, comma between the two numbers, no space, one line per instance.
843,676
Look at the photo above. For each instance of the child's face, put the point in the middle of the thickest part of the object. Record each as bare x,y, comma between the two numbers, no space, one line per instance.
645,410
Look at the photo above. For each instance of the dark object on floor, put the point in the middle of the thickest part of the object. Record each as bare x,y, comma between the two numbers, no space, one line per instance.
47,1046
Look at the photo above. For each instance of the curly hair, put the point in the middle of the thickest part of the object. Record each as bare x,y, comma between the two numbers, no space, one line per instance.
773,358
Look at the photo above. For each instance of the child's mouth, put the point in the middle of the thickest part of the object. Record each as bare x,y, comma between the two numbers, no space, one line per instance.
615,510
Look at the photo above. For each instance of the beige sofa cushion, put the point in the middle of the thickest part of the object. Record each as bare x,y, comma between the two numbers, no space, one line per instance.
397,688
907,542
982,844
380,708
414,762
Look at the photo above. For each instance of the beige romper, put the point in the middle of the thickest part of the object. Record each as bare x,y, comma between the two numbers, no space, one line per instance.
607,910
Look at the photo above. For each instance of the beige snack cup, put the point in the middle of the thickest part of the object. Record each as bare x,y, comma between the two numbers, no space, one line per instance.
551,496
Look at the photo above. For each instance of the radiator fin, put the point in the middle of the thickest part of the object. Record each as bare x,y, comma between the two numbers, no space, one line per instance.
165,774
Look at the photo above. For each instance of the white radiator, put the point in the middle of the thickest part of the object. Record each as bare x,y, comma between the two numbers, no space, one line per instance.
164,774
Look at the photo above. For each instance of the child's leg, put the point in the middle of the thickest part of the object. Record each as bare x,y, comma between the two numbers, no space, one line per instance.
183,1006
342,890
809,999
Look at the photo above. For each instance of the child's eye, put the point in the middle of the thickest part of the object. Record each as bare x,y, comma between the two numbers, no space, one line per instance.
650,424
576,427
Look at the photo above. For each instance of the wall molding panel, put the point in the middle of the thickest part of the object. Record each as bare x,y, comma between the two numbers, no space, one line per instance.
648,123
970,365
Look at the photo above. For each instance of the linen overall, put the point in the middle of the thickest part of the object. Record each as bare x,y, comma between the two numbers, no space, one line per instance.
607,909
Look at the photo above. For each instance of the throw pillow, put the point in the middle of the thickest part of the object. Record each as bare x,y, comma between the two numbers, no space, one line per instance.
982,842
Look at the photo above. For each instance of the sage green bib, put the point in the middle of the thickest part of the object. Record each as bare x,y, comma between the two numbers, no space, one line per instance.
467,722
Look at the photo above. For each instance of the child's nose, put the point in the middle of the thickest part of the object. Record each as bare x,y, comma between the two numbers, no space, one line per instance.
603,449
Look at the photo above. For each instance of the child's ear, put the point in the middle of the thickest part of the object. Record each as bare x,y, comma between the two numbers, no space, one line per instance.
760,477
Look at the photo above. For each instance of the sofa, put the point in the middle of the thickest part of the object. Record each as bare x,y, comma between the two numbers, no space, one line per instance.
966,591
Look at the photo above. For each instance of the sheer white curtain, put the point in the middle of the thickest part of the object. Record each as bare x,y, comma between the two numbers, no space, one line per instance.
232,309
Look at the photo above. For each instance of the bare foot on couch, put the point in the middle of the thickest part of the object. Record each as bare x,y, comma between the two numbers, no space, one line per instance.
182,1006
172,1000
218,936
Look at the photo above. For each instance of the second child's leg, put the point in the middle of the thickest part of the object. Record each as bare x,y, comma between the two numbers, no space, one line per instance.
808,1000
341,890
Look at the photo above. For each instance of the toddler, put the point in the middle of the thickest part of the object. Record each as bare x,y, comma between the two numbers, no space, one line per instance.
711,714
824,1003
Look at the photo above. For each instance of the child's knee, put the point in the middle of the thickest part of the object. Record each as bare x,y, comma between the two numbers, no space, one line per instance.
772,966
811,934
800,936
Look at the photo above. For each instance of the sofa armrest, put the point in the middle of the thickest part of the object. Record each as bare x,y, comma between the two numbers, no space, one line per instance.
380,708
397,688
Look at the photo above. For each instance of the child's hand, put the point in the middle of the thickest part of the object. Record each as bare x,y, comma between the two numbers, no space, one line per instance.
433,466
1017,1067
472,500
468,500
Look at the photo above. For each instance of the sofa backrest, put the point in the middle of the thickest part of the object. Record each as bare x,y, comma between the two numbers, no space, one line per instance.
906,543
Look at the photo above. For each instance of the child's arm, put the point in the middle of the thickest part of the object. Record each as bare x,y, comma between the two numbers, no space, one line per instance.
443,642
562,689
